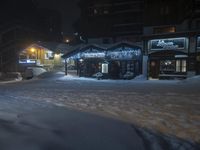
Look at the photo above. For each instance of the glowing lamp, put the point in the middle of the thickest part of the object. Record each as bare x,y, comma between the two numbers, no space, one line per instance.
32,49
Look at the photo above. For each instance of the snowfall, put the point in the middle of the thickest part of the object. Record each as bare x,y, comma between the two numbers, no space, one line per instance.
159,109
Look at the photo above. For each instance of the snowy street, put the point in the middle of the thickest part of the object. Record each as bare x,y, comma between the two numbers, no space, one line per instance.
134,112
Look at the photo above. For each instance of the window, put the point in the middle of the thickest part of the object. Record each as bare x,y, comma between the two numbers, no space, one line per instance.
164,30
48,55
178,66
167,66
181,66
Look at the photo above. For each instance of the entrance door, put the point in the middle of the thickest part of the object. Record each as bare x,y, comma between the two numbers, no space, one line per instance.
154,68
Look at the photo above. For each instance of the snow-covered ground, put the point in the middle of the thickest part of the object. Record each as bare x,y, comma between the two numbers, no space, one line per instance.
168,107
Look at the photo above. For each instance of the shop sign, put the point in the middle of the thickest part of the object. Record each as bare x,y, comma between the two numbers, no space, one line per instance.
27,61
168,44
93,55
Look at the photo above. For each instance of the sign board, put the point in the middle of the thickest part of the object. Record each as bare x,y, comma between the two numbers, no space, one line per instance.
27,61
93,55
168,44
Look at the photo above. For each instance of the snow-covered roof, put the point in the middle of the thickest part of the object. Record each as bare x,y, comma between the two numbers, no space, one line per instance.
105,47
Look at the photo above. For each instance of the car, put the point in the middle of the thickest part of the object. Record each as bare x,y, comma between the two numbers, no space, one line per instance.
28,74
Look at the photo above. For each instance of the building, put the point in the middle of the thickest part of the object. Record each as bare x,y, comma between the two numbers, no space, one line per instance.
46,55
171,41
13,37
122,60
115,19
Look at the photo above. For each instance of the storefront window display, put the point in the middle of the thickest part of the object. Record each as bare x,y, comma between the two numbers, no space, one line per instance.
167,66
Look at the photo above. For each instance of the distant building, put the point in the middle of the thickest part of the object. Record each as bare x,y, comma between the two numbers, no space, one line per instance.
116,19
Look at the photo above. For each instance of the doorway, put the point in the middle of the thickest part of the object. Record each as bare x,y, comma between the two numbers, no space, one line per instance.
154,69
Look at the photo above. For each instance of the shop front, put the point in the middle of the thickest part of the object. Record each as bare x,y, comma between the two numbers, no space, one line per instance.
120,61
125,61
85,61
168,58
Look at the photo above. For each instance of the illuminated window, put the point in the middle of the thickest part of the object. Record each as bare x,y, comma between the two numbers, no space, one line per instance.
178,66
167,66
181,66
164,30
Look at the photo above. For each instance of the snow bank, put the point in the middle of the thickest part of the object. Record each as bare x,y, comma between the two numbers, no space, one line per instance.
10,77
72,77
140,77
37,70
193,79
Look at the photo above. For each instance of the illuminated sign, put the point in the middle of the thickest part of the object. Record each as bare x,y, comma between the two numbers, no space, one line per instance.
93,55
89,53
125,53
168,44
27,61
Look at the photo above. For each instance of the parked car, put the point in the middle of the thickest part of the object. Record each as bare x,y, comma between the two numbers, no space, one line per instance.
28,73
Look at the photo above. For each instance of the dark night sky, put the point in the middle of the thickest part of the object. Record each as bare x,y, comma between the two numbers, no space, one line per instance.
68,9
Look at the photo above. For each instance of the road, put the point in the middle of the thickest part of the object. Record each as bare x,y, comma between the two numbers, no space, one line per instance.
55,112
